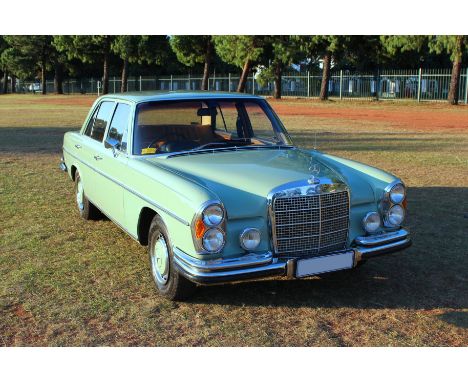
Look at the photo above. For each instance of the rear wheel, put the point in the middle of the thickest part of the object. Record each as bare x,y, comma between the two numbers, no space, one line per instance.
169,282
87,210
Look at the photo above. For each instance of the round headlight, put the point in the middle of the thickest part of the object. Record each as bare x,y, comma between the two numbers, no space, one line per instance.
213,215
397,193
371,222
213,240
395,215
250,239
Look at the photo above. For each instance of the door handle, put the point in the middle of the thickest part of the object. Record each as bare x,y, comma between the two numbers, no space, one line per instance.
97,157
78,146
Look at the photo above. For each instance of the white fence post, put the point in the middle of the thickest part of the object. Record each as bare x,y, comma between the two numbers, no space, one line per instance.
308,84
419,84
114,84
341,84
466,87
229,82
140,83
171,82
253,82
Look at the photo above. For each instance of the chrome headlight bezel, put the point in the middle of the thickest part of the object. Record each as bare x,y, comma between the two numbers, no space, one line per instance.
366,219
394,195
221,235
243,235
392,198
199,227
388,218
206,214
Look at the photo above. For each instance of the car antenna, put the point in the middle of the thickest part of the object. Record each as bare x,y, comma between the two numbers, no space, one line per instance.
315,140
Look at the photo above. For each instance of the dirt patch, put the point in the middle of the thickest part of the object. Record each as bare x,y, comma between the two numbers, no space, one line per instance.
419,117
84,100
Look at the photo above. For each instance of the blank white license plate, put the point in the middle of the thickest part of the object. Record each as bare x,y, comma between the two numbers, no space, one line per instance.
323,264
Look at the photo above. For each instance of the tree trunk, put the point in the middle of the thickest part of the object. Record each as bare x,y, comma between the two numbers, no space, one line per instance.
123,86
43,76
105,75
58,78
278,76
5,82
244,76
325,76
456,70
13,84
206,76
207,66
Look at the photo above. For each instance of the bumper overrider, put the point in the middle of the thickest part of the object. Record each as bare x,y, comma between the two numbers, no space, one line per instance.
252,266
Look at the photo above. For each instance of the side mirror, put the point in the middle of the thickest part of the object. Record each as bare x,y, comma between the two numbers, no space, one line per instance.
111,143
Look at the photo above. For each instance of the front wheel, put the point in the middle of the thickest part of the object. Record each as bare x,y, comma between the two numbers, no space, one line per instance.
168,280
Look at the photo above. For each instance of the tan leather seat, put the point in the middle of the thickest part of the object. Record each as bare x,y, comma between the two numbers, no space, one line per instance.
161,134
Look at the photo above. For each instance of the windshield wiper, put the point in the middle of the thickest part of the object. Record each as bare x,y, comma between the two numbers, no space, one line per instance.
230,148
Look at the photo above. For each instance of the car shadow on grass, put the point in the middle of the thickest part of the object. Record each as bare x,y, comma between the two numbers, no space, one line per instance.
32,140
431,274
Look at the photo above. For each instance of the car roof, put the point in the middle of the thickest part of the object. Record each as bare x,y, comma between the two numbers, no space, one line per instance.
147,96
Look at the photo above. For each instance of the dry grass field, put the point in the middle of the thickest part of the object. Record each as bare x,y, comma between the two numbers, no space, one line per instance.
67,282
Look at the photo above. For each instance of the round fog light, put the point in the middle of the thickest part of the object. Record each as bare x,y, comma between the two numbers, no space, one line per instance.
371,222
213,240
250,239
395,215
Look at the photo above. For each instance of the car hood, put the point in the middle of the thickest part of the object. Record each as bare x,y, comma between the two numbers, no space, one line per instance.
243,179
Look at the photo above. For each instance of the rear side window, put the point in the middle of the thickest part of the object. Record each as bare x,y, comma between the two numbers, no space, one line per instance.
98,123
119,125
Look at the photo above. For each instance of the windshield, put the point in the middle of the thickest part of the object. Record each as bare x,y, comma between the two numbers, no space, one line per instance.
178,126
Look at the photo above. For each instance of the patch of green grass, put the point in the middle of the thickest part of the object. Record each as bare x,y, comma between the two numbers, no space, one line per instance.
65,281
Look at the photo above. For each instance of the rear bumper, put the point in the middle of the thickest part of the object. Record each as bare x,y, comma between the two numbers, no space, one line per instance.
254,266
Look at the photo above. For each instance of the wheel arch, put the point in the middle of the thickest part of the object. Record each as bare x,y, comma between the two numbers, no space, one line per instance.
144,221
73,170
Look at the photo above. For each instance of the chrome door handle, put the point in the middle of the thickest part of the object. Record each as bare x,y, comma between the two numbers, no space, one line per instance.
97,157
78,146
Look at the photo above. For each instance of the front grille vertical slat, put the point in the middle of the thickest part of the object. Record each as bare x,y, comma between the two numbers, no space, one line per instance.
310,224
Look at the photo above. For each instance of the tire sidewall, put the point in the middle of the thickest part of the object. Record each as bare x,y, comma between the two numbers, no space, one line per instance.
84,213
158,227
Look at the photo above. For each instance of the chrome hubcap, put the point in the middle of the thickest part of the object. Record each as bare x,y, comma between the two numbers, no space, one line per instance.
80,195
160,260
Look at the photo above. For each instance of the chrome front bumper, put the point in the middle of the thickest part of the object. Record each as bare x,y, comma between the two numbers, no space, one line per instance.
254,266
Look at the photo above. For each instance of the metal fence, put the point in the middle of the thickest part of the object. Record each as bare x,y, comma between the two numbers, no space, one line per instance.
418,85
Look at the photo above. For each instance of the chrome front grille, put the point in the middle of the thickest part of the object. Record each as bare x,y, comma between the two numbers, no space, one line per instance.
310,224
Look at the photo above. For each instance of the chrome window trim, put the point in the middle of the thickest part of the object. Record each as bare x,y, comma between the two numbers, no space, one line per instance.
149,201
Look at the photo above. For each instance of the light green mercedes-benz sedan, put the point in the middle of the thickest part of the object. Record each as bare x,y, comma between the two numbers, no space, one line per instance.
214,186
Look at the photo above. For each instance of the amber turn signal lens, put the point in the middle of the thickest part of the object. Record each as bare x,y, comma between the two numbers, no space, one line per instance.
199,228
405,203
